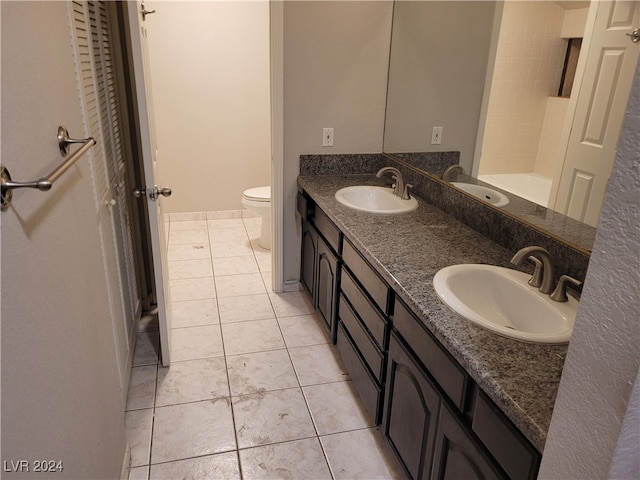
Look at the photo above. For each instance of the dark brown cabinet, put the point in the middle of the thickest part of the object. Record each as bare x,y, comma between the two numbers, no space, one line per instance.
411,412
309,258
320,263
436,419
327,286
458,455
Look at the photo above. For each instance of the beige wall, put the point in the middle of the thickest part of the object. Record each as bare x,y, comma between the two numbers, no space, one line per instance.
60,387
335,75
210,74
439,53
527,71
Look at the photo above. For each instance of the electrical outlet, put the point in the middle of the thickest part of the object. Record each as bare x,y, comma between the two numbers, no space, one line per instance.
327,137
436,136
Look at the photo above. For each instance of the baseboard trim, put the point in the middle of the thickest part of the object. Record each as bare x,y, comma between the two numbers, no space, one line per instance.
292,286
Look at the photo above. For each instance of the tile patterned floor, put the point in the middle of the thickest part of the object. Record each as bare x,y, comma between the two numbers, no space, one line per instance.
255,390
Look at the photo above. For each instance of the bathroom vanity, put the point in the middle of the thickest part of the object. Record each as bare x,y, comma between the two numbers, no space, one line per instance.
452,400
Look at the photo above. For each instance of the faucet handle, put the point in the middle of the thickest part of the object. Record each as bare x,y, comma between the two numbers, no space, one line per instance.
536,279
405,194
560,292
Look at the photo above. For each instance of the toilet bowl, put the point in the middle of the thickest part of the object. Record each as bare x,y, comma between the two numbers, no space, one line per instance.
258,201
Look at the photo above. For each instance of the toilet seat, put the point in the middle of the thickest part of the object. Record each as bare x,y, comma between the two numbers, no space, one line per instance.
258,194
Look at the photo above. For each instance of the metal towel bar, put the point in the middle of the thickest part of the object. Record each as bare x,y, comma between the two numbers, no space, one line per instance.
44,184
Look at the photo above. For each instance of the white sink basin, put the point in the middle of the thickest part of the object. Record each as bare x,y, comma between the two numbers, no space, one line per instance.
489,195
500,299
374,200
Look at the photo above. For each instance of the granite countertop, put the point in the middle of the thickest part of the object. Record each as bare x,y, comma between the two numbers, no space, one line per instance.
407,250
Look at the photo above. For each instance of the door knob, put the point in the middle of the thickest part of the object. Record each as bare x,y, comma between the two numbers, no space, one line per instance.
165,191
153,193
635,35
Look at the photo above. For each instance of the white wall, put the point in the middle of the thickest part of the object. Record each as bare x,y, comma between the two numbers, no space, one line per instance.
603,362
336,57
210,73
60,388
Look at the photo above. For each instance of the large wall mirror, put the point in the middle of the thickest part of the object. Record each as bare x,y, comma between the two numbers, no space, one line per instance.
531,93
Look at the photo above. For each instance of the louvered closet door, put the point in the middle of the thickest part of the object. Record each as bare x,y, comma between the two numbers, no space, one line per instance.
97,84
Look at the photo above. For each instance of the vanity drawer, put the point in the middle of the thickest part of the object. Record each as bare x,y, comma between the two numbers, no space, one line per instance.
371,318
366,386
367,347
370,280
328,230
513,452
442,367
304,206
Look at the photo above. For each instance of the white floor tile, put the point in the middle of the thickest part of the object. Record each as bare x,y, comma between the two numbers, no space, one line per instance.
264,261
271,417
299,459
138,428
237,285
360,454
336,407
196,342
188,225
182,237
188,252
242,309
190,268
260,372
221,466
231,249
224,214
226,235
192,381
139,473
317,364
187,216
192,289
205,428
304,330
267,279
252,336
235,265
291,304
192,313
146,348
216,223
142,387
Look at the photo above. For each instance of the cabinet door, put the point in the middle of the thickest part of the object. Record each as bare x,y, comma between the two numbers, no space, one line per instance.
411,412
459,456
308,260
327,285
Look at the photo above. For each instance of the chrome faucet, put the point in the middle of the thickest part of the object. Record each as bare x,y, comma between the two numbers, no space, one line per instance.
450,169
398,189
548,275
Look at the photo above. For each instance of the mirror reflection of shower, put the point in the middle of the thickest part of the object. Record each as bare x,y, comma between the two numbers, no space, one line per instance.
532,76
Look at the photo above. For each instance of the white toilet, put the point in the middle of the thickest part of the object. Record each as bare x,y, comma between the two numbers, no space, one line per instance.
258,200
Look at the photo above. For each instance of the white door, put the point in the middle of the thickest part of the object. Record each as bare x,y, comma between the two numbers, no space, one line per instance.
152,173
608,75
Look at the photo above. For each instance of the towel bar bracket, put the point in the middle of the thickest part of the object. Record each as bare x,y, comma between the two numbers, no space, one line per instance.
45,183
